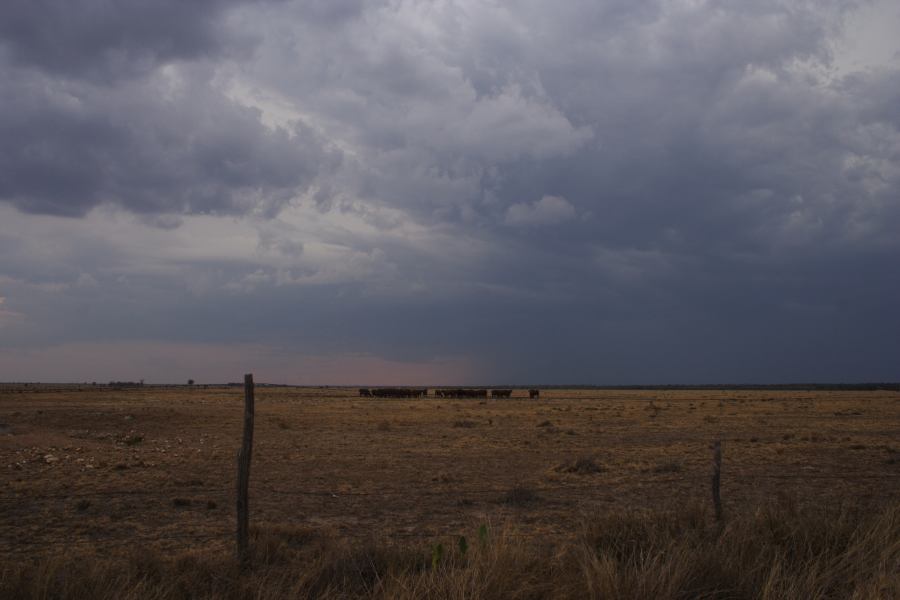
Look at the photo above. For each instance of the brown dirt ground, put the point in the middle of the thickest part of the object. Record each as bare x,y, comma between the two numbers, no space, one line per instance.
105,469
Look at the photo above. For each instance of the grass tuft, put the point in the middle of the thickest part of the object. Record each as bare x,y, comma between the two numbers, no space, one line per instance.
776,550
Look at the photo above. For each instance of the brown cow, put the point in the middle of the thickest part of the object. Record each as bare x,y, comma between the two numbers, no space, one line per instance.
534,393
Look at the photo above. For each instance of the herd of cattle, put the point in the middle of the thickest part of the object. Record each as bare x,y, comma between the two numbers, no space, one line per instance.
439,393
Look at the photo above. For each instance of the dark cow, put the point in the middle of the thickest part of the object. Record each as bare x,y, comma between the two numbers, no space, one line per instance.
365,393
461,393
501,393
399,392
534,393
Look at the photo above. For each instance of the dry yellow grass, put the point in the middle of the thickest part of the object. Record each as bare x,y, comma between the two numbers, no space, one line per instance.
777,551
99,471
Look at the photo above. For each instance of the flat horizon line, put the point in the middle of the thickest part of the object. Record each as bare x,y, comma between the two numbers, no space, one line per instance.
863,385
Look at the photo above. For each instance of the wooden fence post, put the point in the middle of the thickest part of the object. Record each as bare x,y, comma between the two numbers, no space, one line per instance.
717,479
243,480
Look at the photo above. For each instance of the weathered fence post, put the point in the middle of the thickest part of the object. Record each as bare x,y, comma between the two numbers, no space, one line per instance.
243,479
717,479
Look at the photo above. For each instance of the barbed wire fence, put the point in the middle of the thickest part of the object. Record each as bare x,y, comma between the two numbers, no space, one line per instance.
656,490
652,488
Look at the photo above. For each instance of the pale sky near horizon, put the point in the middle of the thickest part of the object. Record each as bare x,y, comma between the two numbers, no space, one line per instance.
450,192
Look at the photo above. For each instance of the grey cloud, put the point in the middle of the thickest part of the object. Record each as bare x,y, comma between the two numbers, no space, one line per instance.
331,12
101,40
616,318
629,91
167,143
723,207
717,143
118,103
549,210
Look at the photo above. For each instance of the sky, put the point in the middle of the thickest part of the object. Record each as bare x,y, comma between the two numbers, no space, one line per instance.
450,192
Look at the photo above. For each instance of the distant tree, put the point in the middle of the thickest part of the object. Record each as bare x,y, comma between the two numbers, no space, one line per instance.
190,382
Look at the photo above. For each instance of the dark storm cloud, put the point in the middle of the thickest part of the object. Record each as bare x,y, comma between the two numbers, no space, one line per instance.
332,12
705,156
590,192
103,39
114,103
622,104
155,145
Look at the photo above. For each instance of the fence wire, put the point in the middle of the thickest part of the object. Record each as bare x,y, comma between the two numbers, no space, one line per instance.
651,489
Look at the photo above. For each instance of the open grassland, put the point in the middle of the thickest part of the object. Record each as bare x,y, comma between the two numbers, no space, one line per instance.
352,496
